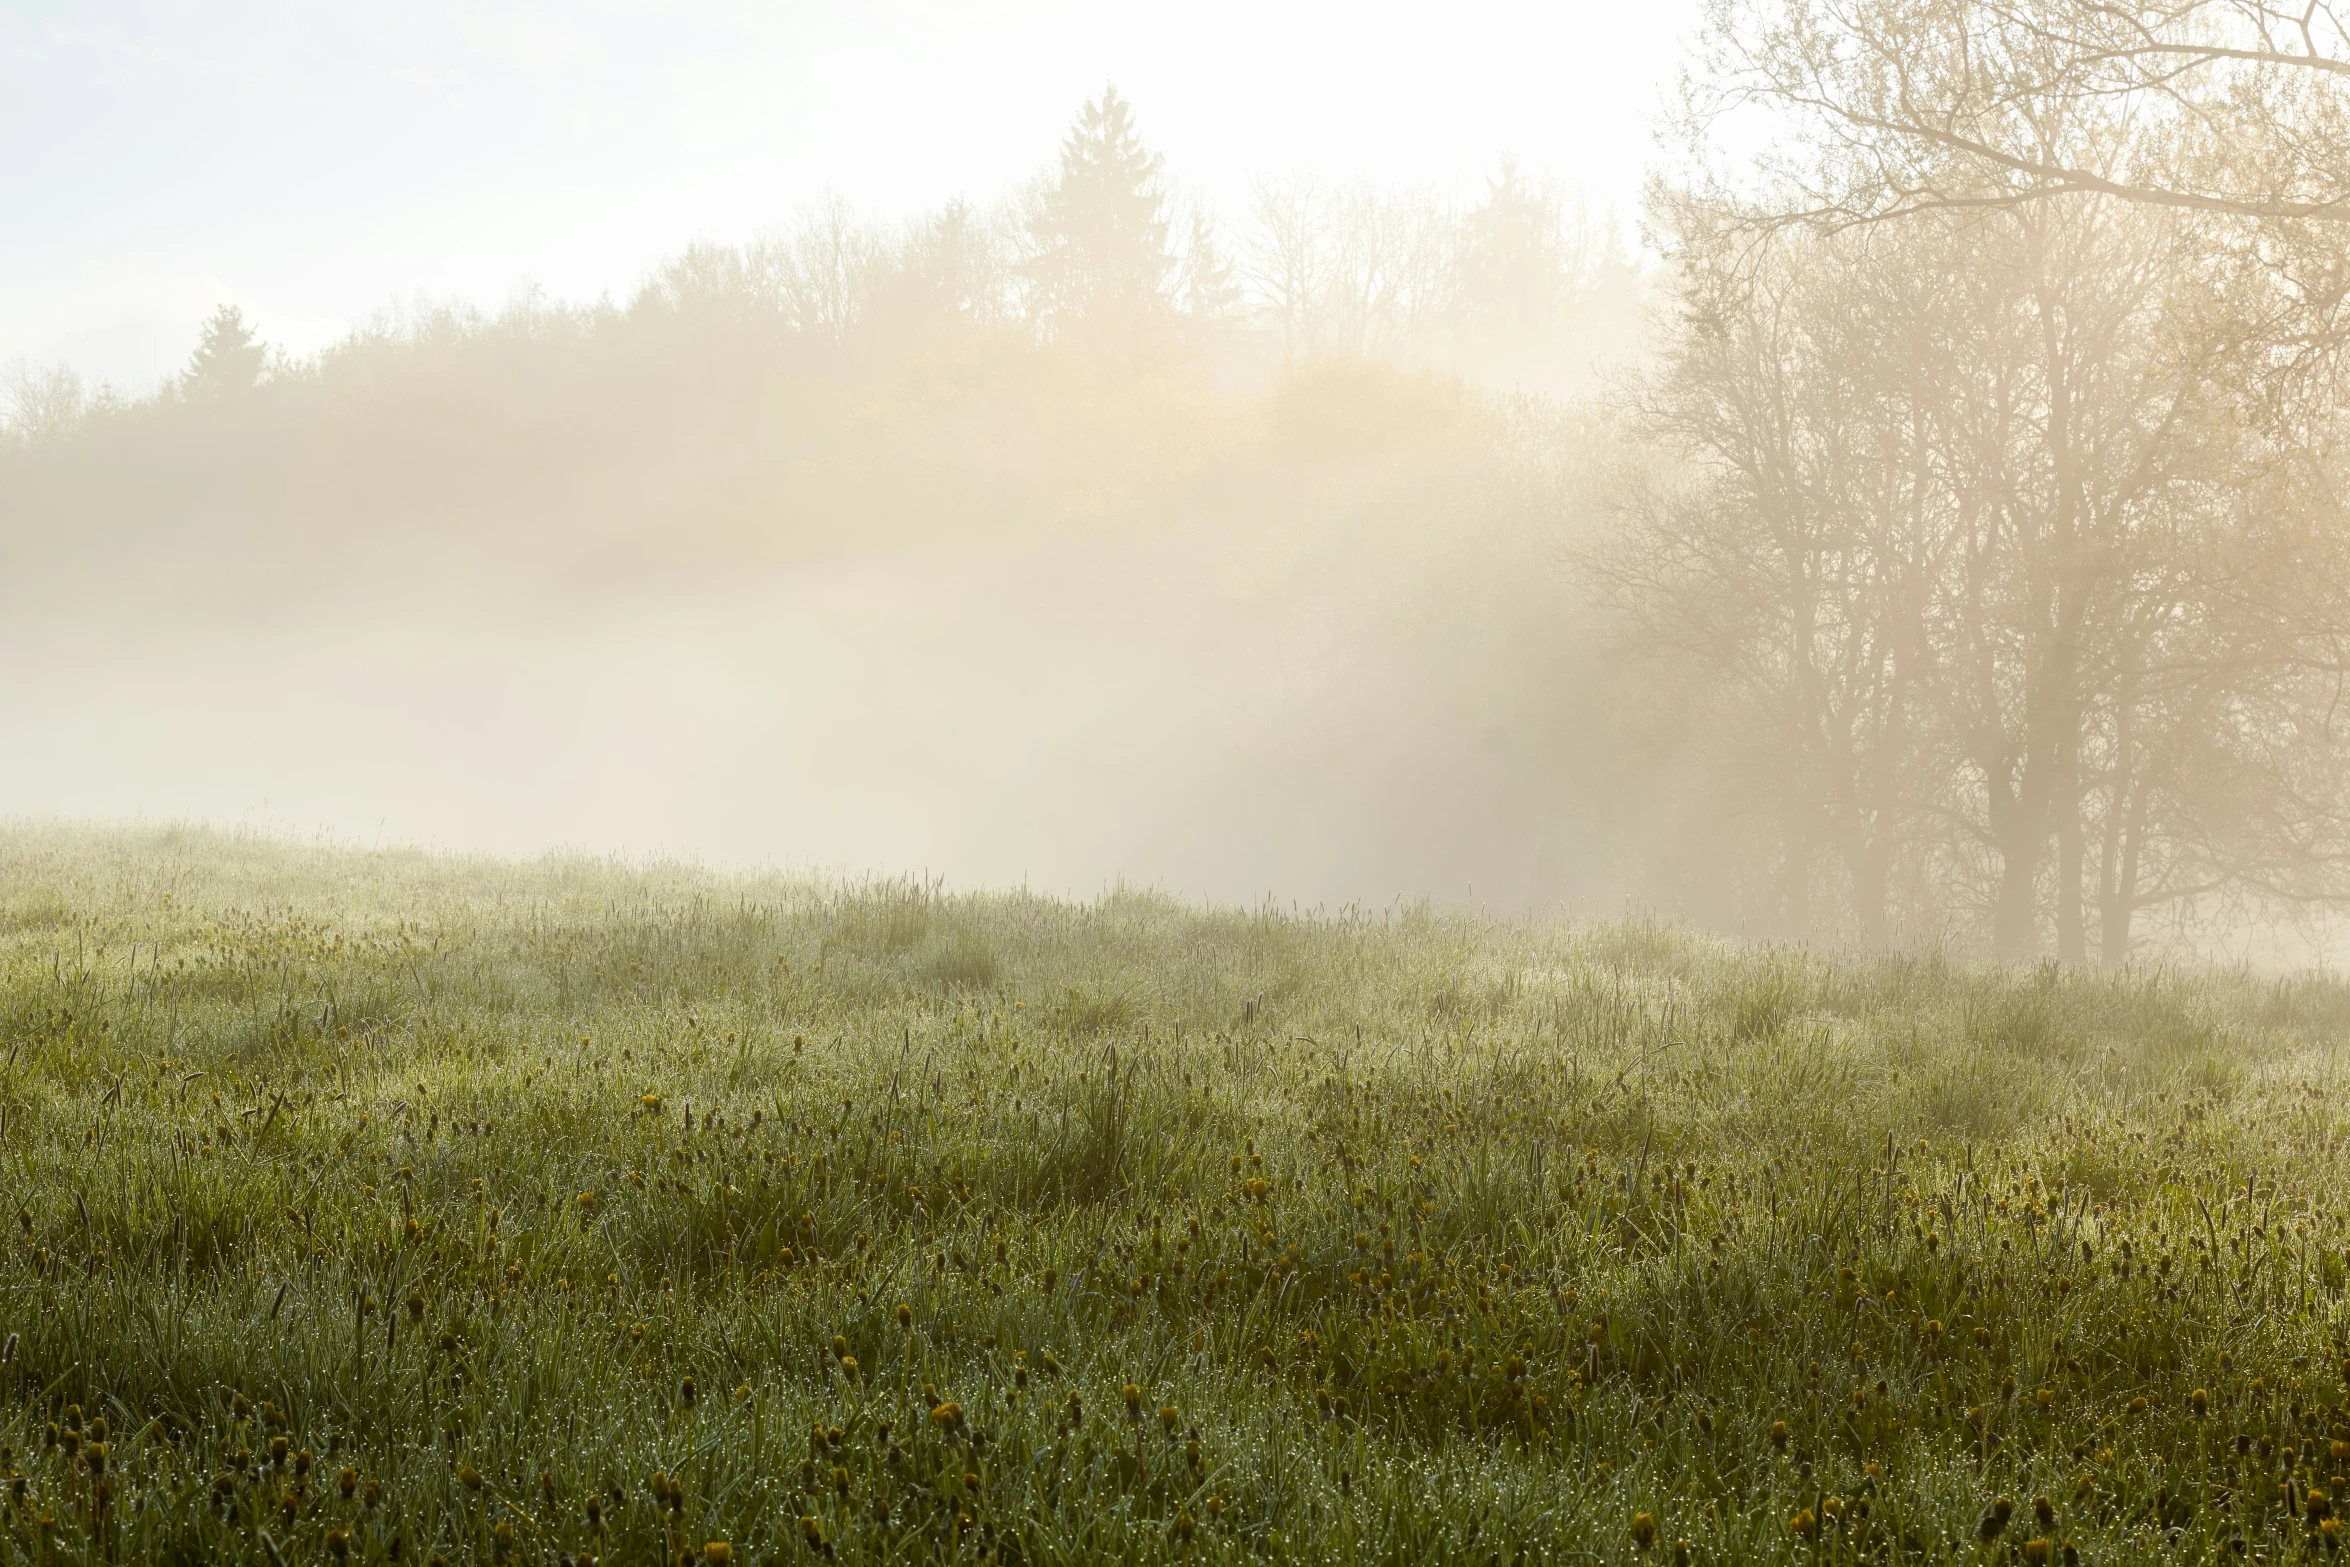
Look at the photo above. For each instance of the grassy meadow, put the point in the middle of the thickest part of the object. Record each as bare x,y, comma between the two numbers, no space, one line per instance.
376,1207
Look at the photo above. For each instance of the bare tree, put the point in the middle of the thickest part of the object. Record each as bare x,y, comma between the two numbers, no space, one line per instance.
951,266
716,283
2082,261
2230,107
1983,533
824,269
1288,260
1791,548
40,406
1351,269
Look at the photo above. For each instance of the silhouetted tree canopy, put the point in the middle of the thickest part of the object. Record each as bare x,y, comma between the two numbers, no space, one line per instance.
228,358
1995,523
1099,229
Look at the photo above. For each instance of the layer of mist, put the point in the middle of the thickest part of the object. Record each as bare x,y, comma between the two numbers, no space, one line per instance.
1968,572
1076,541
1195,714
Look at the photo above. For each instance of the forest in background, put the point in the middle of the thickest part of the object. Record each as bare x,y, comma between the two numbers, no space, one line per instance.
1071,539
1940,539
1092,349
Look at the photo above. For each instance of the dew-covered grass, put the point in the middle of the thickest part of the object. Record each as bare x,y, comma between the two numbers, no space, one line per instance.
383,1206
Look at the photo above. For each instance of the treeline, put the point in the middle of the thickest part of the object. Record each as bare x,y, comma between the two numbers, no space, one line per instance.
1083,350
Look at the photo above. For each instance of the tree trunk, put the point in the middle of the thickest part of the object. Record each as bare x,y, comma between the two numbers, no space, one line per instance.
2113,932
2015,929
2072,936
1795,886
2121,902
1872,894
2015,833
2114,892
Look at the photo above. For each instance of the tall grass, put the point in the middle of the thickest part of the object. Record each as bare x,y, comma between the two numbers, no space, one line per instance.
383,1207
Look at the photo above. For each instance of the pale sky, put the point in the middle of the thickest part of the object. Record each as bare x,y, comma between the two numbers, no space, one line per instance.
312,162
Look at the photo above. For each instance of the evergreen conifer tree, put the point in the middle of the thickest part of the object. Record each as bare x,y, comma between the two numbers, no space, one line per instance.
228,358
1512,280
1098,231
1211,287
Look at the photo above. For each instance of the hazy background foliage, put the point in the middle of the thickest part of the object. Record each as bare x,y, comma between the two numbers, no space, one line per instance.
1088,534
1935,536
